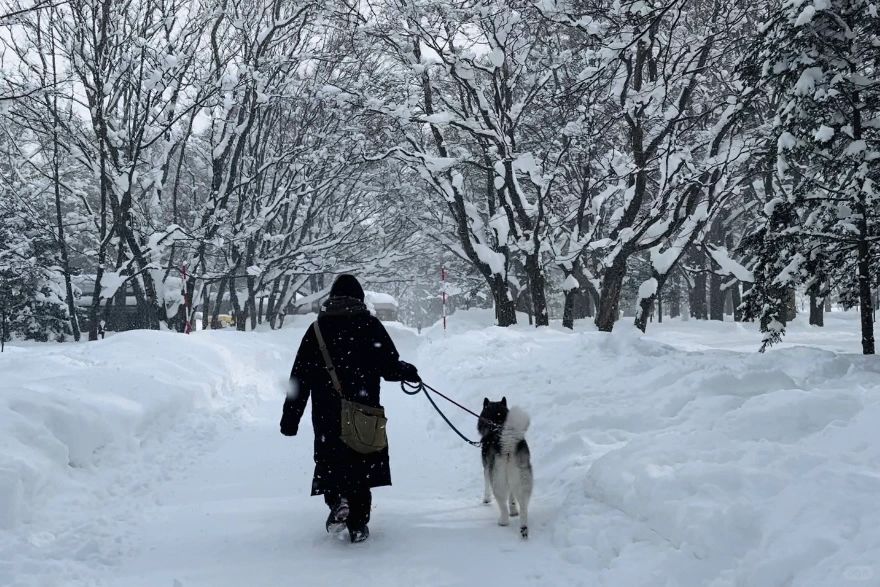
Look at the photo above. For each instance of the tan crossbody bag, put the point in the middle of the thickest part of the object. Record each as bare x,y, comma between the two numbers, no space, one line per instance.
362,426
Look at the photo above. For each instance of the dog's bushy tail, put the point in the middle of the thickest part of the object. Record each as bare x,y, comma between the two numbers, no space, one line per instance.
516,424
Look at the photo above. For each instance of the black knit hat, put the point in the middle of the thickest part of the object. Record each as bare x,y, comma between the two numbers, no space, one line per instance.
347,286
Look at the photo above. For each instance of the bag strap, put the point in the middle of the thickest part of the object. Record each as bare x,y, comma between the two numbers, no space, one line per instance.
328,362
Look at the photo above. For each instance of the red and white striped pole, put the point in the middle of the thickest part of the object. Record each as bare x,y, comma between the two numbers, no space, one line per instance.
443,292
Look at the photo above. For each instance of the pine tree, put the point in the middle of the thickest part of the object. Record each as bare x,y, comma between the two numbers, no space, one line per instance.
820,62
31,285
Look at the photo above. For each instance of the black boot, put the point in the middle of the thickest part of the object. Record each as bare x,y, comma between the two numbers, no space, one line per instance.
338,516
359,516
359,534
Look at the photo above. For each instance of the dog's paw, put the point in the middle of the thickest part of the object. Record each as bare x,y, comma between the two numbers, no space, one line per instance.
513,513
486,501
503,522
524,532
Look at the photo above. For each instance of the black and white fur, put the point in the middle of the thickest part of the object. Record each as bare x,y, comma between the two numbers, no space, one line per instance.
507,467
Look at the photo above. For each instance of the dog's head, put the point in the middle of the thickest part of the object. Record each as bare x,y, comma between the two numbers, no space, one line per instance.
494,413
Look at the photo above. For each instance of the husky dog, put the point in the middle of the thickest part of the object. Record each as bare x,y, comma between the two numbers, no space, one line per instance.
507,467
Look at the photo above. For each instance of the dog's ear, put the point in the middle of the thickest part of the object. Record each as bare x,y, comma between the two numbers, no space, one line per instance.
504,401
485,402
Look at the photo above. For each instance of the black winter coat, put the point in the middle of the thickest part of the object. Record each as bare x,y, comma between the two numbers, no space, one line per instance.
362,352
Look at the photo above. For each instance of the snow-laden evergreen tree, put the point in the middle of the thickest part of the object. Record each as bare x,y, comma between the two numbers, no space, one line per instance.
767,248
32,294
820,61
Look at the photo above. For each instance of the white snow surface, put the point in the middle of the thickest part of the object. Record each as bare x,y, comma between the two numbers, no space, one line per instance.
680,457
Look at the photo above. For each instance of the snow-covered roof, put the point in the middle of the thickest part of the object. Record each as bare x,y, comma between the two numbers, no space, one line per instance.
378,298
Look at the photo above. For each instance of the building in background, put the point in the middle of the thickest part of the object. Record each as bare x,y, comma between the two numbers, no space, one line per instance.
383,305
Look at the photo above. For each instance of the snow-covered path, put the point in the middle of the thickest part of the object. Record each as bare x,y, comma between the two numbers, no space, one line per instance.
241,516
154,460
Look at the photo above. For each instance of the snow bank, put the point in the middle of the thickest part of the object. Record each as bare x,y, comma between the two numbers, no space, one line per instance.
677,467
841,334
70,413
672,458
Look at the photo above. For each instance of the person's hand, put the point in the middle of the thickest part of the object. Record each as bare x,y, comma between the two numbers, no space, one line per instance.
288,426
409,373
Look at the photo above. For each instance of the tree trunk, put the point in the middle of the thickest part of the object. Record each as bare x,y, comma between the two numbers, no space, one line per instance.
876,303
745,290
270,303
675,292
178,321
609,297
251,303
523,300
146,310
143,285
240,315
863,250
716,298
206,307
120,320
736,301
251,281
716,295
102,250
218,303
278,308
817,317
314,287
866,304
698,297
153,312
790,305
537,287
646,305
62,240
697,293
568,309
189,302
659,307
505,310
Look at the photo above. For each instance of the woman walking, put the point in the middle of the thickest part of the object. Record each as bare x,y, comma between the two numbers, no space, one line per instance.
339,363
